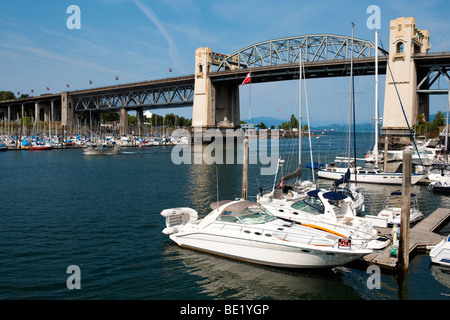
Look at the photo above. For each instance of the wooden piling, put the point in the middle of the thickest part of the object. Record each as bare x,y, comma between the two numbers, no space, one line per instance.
405,213
386,148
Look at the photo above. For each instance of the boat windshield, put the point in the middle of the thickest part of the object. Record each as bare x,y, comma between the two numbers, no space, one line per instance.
250,213
395,201
311,205
314,205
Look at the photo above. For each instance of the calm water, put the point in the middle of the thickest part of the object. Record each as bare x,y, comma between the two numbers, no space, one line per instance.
102,213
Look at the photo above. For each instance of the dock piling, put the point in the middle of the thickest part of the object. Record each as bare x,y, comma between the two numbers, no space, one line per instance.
405,213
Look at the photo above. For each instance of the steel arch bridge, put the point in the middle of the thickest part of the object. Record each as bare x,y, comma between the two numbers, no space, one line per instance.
312,48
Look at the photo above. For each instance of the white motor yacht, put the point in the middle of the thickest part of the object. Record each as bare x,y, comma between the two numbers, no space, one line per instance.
440,254
392,209
94,149
437,171
331,211
247,231
442,185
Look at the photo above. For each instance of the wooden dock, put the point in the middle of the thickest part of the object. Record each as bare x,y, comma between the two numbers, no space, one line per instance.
422,237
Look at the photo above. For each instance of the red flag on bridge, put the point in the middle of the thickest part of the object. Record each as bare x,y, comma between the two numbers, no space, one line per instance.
247,78
117,78
170,69
90,81
67,85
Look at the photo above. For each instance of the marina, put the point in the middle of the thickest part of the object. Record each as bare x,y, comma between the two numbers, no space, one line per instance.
103,199
112,231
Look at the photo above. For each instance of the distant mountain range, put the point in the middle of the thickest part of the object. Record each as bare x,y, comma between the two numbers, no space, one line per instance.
323,125
315,124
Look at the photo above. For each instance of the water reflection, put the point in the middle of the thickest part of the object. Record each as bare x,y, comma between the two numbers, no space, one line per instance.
441,274
222,278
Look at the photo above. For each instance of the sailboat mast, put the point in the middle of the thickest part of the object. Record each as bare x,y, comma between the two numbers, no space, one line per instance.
352,99
446,121
300,111
375,147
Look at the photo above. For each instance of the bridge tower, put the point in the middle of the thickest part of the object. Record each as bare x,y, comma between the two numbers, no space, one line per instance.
405,41
215,105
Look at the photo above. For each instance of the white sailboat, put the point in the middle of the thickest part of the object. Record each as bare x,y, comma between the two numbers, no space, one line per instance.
247,231
338,168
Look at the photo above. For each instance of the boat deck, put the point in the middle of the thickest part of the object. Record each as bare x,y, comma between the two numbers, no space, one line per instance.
422,237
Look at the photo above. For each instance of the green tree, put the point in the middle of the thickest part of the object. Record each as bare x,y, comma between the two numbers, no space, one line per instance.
170,120
439,119
428,129
110,116
132,119
285,125
6,95
293,123
263,126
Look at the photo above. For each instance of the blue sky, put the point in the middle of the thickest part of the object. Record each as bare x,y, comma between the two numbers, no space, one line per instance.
140,40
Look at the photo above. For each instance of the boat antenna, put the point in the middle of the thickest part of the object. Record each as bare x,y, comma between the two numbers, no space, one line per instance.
217,183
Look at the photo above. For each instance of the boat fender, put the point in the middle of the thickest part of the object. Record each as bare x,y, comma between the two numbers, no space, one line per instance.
169,230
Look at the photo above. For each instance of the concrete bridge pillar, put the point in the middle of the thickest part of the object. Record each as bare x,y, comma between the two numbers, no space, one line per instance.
215,105
36,112
67,111
203,113
140,119
123,122
227,105
405,41
52,111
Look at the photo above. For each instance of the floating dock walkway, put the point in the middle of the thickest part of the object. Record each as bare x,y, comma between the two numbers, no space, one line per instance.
422,237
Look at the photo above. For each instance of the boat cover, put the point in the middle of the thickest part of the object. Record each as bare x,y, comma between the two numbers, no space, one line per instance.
344,179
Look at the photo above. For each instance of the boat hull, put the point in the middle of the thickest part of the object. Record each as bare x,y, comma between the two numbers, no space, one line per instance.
270,252
40,148
440,254
379,178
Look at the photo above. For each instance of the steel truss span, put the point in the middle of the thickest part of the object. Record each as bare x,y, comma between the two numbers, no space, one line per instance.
287,50
134,98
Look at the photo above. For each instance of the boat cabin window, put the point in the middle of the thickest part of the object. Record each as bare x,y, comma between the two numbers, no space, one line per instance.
253,214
